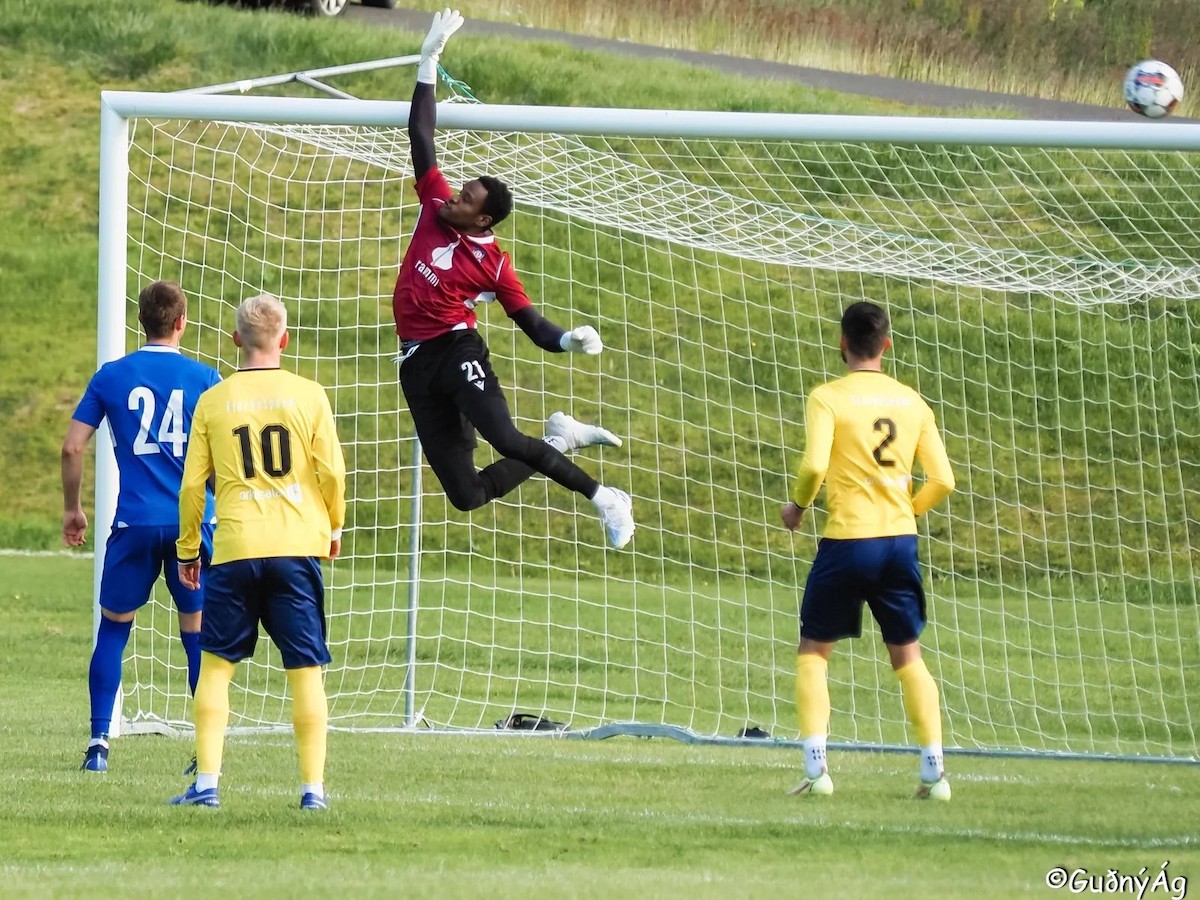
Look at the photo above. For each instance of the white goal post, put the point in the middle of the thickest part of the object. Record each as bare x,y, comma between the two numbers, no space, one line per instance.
1042,279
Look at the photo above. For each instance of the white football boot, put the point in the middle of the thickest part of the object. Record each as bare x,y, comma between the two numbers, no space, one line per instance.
575,434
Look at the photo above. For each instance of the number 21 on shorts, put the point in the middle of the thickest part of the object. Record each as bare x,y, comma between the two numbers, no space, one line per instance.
474,372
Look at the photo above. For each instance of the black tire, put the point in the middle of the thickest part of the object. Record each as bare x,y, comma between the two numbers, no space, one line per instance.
380,4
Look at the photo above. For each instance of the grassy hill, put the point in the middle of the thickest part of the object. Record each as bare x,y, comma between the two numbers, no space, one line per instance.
1058,49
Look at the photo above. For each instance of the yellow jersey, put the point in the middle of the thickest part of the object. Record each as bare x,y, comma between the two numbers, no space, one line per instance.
268,437
863,433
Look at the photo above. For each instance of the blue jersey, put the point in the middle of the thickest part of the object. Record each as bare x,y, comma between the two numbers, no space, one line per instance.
148,398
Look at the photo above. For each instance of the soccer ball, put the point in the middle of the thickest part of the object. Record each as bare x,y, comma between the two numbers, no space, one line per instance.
1153,89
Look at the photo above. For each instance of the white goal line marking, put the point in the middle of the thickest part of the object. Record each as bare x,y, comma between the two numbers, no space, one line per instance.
74,554
1023,837
442,799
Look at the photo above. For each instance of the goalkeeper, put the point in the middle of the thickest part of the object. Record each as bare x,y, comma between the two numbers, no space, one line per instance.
864,431
452,265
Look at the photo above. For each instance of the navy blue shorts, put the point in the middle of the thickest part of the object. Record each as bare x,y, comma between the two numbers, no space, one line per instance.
133,558
882,572
285,593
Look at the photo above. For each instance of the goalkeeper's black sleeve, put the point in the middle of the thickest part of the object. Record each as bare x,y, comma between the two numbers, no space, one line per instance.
539,329
422,119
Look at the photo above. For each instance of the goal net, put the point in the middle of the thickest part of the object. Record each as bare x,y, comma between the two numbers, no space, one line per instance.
1043,299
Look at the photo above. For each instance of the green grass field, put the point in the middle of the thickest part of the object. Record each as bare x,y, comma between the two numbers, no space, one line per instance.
441,816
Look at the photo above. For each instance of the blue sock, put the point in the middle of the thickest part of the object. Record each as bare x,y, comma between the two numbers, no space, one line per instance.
104,674
191,646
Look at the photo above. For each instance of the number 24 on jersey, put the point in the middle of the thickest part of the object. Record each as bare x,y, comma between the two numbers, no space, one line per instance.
170,434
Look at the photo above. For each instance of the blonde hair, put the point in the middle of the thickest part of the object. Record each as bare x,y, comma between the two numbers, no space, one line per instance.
261,322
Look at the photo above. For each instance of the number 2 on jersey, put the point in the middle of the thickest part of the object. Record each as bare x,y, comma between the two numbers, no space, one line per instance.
888,426
276,444
170,429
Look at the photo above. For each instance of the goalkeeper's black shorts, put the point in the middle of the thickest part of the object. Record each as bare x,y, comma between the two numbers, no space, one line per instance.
444,377
453,393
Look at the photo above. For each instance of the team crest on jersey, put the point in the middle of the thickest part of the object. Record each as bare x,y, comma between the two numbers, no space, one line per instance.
443,257
477,253
481,297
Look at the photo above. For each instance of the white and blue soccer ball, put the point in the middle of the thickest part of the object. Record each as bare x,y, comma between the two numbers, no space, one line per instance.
1153,89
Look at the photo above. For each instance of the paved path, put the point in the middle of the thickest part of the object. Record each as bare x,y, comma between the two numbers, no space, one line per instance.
897,89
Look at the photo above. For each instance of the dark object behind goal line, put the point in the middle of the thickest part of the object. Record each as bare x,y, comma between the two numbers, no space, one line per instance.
530,722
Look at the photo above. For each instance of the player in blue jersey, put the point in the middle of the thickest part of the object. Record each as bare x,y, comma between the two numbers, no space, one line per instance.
147,398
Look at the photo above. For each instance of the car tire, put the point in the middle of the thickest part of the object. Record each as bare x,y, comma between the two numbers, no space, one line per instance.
325,8
380,4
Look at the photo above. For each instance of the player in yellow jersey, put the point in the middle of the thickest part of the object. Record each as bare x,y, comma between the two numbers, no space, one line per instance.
863,433
267,436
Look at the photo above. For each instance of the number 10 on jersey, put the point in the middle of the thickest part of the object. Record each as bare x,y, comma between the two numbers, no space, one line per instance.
276,444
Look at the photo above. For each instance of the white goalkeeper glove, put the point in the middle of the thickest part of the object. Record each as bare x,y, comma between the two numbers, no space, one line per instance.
445,23
583,339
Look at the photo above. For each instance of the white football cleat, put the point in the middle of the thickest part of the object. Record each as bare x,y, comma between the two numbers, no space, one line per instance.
617,518
575,434
821,786
934,790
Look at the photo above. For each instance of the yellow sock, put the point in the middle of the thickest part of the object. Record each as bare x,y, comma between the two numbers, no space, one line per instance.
812,695
310,718
921,703
210,709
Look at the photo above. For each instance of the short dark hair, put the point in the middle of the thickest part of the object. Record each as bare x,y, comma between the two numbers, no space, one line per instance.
159,304
499,200
865,326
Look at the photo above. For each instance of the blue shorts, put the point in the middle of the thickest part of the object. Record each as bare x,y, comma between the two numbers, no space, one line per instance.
882,572
285,593
133,558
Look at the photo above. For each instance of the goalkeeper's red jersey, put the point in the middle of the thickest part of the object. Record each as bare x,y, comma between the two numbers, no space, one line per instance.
445,273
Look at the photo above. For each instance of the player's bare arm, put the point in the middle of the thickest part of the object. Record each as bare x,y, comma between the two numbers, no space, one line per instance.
74,520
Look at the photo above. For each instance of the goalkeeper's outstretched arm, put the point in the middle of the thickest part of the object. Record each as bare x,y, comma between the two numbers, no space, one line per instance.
422,119
422,116
551,338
